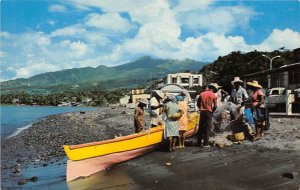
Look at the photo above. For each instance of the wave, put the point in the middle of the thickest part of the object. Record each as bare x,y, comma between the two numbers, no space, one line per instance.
19,130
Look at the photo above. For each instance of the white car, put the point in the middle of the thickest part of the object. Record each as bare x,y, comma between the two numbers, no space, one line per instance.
275,96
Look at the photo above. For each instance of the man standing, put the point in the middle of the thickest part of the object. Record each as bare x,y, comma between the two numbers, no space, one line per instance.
207,104
238,93
155,106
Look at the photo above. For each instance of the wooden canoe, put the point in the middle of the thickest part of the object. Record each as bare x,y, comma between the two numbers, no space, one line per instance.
89,158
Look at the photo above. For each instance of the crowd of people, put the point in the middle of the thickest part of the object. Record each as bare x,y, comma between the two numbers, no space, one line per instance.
245,109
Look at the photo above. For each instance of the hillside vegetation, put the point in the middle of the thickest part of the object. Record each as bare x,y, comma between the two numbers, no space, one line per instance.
128,75
225,68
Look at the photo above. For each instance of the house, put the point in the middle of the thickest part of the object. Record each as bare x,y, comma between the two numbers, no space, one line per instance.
137,94
186,80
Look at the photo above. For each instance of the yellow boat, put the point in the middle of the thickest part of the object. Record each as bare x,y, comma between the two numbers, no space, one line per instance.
89,158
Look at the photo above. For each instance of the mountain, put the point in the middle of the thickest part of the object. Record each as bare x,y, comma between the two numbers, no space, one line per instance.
131,74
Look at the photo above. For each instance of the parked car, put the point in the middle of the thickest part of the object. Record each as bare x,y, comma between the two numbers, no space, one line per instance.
275,96
297,94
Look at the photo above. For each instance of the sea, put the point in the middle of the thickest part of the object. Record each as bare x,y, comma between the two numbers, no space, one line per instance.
14,119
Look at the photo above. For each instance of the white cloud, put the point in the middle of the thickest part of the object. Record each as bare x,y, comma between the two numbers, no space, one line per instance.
34,68
110,21
152,28
109,5
280,38
220,20
69,31
190,5
57,8
2,54
51,22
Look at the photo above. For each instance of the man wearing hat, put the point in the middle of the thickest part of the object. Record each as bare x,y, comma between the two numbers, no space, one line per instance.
139,117
155,113
207,104
238,93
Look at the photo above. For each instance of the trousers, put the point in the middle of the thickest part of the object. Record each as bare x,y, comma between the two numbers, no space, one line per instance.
205,125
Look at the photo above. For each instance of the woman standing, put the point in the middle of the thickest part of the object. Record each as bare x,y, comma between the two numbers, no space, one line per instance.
171,121
139,117
259,111
183,120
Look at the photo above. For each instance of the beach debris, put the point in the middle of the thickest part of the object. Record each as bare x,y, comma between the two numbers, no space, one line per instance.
32,179
288,175
22,182
220,145
168,164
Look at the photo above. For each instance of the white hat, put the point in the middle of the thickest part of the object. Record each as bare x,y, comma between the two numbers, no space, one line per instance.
143,101
236,79
159,93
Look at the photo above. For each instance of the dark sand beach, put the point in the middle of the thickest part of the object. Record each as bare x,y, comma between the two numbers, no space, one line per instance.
270,163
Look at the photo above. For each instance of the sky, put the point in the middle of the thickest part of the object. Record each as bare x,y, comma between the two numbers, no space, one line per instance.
40,36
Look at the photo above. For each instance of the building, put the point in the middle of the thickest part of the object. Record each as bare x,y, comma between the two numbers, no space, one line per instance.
287,76
137,94
186,80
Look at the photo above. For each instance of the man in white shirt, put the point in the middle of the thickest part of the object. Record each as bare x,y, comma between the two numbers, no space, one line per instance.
238,93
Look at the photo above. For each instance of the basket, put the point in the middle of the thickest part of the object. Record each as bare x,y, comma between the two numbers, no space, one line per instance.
236,137
239,136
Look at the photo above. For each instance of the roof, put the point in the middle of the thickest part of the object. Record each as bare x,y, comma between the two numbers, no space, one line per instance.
276,70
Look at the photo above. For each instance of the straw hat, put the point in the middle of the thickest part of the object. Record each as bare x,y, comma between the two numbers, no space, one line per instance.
236,79
144,101
254,83
214,85
159,93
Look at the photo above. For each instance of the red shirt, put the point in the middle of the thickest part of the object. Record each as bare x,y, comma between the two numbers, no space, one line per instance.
207,99
255,96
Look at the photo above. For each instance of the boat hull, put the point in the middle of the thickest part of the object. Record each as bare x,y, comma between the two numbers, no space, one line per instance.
87,167
87,159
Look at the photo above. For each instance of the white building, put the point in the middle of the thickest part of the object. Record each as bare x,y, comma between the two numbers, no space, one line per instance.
185,79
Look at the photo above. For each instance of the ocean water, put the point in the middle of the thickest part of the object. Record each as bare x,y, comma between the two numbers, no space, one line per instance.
14,119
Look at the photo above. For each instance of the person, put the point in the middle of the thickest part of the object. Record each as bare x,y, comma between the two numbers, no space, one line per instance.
207,104
139,117
186,96
204,88
155,108
183,120
238,93
220,93
173,113
258,108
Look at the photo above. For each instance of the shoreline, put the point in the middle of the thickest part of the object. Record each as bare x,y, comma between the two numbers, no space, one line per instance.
42,143
40,146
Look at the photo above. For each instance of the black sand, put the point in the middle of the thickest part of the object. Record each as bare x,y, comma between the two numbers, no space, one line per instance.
271,163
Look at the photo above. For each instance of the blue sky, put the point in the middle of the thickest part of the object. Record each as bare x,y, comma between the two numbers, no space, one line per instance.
39,36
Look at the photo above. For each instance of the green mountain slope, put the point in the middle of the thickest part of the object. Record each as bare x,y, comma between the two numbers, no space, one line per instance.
132,74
